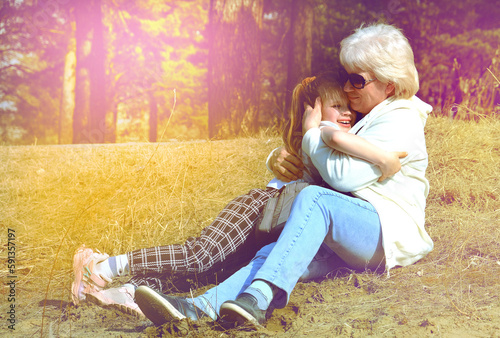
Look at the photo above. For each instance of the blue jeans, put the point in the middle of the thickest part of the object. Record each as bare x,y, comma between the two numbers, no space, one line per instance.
322,226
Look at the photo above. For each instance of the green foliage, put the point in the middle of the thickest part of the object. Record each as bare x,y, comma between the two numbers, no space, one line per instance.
275,24
32,45
453,54
333,25
154,47
158,47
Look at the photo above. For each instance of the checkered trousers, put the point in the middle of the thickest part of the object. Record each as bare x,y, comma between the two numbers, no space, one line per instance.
222,248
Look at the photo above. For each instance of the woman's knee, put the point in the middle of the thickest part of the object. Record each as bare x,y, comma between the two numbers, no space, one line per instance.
308,195
312,195
311,191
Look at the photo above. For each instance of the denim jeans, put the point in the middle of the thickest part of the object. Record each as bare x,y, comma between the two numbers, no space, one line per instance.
322,226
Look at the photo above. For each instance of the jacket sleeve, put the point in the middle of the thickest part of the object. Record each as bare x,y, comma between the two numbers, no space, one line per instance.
391,131
342,172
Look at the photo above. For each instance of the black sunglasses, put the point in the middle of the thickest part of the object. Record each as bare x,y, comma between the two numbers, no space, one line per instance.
356,80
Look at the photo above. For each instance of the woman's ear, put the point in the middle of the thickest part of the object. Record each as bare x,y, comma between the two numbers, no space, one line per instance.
390,90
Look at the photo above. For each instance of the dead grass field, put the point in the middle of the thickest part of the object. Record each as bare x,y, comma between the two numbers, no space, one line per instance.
121,197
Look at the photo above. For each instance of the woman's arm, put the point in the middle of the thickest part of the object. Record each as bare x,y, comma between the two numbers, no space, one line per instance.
285,166
353,145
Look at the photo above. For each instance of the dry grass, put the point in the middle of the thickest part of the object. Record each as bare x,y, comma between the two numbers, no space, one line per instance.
108,198
121,197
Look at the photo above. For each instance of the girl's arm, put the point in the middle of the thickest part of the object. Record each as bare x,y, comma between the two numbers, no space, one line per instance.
356,146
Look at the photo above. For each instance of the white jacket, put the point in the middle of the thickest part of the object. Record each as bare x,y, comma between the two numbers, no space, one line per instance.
393,125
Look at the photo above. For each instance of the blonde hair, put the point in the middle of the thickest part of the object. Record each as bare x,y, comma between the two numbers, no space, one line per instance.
384,51
326,86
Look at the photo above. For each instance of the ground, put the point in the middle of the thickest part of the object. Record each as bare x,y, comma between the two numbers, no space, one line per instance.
116,198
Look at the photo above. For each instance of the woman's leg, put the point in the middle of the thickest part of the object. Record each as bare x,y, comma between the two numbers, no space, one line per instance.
225,245
350,226
354,227
234,285
325,261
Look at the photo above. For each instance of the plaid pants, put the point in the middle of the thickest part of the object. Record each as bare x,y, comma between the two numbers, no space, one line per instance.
221,249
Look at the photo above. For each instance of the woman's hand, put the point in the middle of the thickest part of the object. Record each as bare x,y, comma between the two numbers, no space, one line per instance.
312,116
391,164
286,167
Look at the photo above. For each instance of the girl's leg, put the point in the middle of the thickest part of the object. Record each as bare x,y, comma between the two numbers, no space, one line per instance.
223,246
226,244
114,266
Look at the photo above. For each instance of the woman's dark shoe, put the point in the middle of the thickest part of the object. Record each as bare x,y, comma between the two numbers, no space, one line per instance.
243,311
160,308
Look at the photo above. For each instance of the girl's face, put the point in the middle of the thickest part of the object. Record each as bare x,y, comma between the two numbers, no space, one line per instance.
338,113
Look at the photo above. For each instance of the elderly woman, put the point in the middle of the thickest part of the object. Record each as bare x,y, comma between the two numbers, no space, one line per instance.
381,224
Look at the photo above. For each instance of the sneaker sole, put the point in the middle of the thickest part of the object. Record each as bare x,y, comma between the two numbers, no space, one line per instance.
76,288
79,287
233,313
120,307
155,307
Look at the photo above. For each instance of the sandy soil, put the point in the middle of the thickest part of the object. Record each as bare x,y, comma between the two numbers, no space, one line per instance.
345,304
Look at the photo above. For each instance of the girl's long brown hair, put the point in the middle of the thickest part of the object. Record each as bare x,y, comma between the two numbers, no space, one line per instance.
326,86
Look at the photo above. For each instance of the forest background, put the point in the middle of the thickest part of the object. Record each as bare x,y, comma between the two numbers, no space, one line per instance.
104,71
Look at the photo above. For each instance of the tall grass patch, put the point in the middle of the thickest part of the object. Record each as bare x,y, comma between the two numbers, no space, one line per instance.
463,214
118,197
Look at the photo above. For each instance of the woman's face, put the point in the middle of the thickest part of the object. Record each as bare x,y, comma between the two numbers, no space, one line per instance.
365,99
338,113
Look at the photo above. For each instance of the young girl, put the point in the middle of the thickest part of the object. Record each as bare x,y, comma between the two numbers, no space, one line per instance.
228,242
330,103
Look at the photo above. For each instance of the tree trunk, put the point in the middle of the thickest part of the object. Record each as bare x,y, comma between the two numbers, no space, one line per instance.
82,82
111,131
97,78
299,47
90,97
67,104
234,66
153,118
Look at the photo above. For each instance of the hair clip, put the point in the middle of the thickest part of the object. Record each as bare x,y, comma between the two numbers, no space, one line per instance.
308,80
